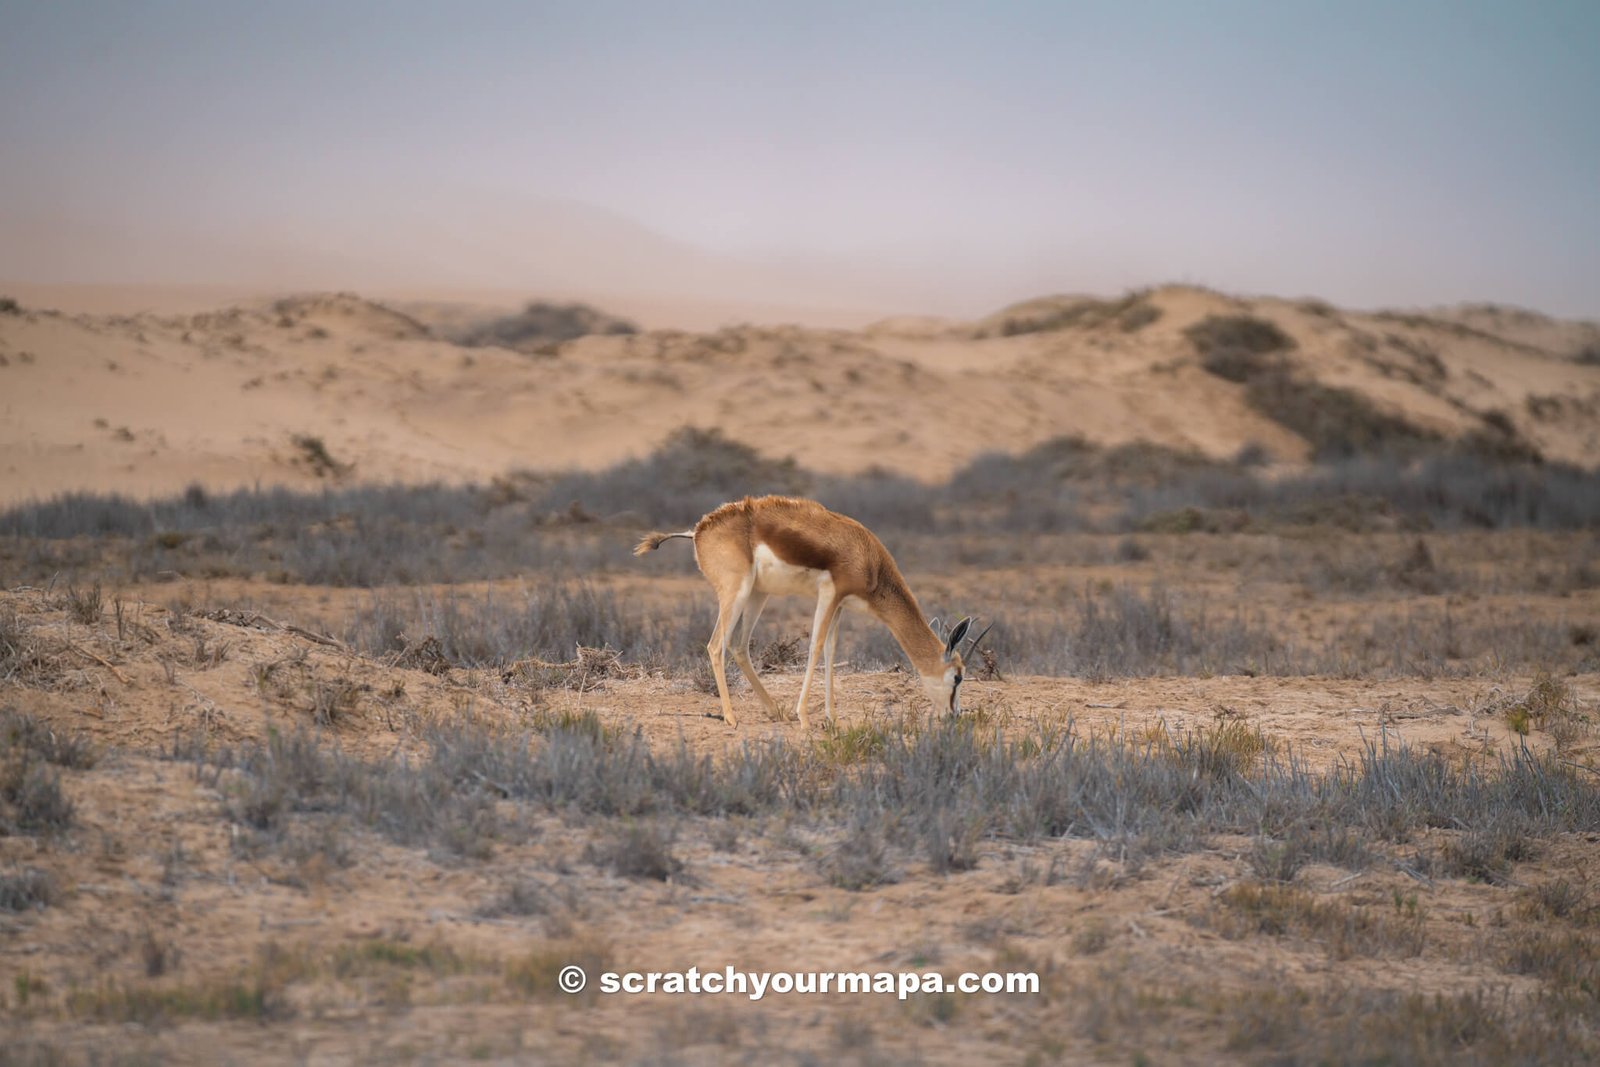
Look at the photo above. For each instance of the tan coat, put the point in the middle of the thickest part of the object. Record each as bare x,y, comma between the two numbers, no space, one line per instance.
758,547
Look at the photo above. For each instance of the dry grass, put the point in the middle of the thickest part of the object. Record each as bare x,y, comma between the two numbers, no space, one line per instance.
1550,706
1129,314
638,850
1004,824
1343,930
1012,837
27,889
534,974
31,798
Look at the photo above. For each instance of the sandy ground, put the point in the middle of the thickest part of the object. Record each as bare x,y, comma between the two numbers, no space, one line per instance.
389,957
134,704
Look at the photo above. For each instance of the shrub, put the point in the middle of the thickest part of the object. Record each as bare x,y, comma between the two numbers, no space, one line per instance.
27,889
520,898
1549,705
1138,316
22,732
313,452
20,657
639,850
541,323
1129,313
31,799
1238,347
1499,441
1338,423
1072,459
85,607
861,859
691,473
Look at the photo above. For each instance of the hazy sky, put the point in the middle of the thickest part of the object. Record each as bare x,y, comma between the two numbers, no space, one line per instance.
943,156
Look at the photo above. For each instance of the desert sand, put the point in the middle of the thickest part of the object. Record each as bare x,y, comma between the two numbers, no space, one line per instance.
146,403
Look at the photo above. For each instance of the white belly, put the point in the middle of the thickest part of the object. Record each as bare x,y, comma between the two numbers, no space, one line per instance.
777,578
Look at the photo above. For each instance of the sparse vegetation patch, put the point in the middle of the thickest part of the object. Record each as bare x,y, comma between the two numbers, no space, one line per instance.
930,796
27,889
313,453
1239,348
31,798
1129,314
1340,424
541,324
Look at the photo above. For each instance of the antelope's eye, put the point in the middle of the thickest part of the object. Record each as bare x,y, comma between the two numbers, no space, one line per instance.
958,680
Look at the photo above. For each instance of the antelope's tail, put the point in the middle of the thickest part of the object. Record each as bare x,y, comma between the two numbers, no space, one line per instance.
653,542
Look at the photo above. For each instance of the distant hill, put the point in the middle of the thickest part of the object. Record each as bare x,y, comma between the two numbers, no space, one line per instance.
150,403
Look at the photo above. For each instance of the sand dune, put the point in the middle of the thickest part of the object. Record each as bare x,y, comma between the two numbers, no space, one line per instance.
147,403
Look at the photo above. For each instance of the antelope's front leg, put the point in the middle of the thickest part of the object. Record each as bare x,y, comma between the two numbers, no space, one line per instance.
819,632
827,661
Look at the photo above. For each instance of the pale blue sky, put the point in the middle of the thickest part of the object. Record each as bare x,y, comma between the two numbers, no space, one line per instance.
948,155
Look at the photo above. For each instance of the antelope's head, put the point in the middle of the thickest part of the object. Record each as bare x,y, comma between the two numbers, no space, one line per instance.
944,688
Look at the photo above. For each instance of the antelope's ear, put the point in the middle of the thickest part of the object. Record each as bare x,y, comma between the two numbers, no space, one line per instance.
957,634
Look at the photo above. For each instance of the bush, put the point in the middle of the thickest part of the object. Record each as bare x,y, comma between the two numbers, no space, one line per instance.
1338,423
1129,313
313,452
31,798
23,732
540,324
639,850
861,859
19,654
1499,441
1071,459
1238,347
1138,316
692,472
27,889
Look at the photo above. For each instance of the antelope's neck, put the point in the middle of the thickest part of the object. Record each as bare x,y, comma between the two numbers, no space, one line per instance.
898,609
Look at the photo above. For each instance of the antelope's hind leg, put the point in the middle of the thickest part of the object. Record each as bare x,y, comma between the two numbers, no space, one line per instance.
727,568
753,606
730,606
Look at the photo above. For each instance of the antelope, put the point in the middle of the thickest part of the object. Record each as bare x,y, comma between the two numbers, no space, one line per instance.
753,549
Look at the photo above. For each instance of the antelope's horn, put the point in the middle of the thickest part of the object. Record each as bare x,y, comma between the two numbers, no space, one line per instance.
972,645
